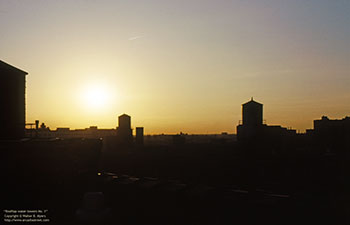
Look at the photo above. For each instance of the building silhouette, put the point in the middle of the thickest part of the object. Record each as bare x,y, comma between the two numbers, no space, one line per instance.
332,133
124,131
12,101
179,139
252,120
338,127
66,133
252,113
252,126
139,136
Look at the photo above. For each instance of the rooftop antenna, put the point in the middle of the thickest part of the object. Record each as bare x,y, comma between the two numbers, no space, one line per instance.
251,99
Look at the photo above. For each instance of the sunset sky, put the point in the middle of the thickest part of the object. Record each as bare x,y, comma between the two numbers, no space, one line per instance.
180,65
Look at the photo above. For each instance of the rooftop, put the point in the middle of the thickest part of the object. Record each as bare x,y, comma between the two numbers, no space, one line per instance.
5,67
252,102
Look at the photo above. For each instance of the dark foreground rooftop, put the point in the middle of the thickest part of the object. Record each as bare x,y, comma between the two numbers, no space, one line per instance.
80,181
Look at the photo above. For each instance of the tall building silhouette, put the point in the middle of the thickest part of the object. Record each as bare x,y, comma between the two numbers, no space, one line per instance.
12,101
124,131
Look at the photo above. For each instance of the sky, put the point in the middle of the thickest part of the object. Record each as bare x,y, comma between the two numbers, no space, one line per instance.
179,66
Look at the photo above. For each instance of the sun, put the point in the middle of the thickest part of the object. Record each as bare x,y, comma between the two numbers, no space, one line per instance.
96,96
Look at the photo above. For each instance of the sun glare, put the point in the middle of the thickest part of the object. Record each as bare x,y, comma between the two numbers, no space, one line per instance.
96,97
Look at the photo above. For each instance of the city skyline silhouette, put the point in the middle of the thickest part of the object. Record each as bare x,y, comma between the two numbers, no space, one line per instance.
175,112
188,62
8,70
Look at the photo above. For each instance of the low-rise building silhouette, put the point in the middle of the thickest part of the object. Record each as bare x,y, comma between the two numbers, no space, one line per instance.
332,133
67,133
12,101
123,133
